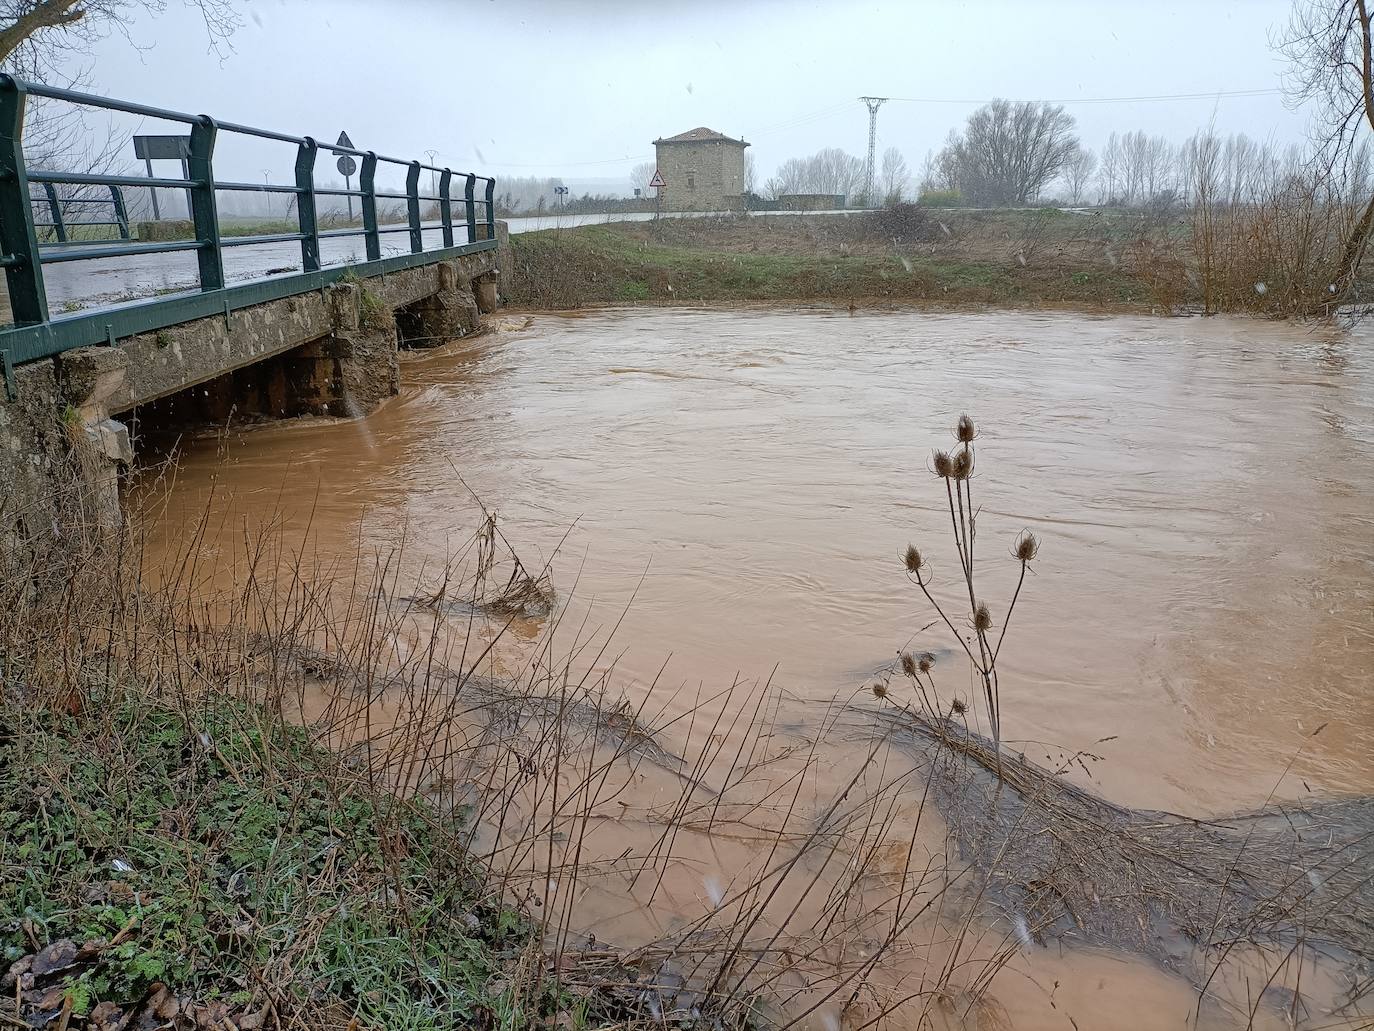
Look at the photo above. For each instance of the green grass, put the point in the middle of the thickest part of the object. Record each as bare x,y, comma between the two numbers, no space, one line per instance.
240,863
616,264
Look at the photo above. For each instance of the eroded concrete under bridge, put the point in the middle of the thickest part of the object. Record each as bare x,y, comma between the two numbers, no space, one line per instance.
65,437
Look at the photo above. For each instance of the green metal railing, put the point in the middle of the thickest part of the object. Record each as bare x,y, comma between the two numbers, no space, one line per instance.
36,333
59,227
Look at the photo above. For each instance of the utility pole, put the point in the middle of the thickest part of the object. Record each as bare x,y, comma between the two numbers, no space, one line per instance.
873,104
433,175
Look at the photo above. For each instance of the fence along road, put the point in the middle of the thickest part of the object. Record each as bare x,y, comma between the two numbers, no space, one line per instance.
209,288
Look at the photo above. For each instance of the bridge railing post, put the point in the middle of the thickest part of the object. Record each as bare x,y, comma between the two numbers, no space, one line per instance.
204,211
417,240
306,216
367,182
23,268
471,207
446,205
121,213
491,209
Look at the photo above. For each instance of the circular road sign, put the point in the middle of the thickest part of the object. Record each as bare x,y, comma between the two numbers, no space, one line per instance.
347,166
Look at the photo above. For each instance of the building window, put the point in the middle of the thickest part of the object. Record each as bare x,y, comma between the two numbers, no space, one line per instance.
691,180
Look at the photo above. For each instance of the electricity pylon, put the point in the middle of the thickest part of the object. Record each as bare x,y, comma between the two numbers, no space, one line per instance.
873,104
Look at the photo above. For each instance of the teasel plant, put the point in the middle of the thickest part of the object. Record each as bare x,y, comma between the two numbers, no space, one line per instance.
977,638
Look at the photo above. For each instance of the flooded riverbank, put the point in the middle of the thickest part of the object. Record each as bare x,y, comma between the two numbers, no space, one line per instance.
732,489
1202,487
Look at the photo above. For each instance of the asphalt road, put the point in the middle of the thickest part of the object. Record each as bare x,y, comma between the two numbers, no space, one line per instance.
77,285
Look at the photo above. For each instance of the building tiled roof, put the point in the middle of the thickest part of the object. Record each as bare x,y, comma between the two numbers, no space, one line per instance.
700,134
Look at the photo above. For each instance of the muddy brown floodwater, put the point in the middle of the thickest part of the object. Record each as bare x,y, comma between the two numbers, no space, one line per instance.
739,484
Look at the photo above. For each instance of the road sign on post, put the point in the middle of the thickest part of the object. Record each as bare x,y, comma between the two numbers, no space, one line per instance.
346,166
164,148
657,184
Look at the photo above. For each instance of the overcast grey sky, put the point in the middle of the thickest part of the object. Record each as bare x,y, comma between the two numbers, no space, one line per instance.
579,88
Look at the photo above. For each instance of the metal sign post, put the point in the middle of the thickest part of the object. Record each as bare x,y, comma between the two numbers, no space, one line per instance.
347,166
157,215
658,186
164,148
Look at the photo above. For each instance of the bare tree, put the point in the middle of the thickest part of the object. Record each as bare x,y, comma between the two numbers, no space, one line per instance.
1109,174
1330,47
1156,169
38,36
1008,152
45,40
751,176
894,176
1134,146
1143,166
827,171
1078,173
641,175
529,192
930,174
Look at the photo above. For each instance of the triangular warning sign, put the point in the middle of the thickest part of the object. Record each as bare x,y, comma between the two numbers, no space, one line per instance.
657,182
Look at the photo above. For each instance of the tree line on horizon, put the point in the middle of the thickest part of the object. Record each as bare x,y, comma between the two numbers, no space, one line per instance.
1019,154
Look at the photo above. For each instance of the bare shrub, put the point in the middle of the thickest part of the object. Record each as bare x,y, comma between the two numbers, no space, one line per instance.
1274,241
902,223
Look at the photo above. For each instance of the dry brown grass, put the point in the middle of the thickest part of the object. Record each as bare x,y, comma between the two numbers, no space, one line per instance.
528,771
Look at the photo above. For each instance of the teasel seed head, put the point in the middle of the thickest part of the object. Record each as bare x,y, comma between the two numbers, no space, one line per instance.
924,661
912,559
982,618
958,707
964,429
944,465
1027,547
879,690
908,664
961,464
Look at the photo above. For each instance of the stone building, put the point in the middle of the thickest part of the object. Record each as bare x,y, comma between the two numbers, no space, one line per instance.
702,170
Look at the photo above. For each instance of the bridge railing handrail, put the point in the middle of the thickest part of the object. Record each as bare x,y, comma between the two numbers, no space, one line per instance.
23,257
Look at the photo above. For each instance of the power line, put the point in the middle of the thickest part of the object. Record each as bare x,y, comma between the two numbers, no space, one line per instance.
792,123
1213,95
565,164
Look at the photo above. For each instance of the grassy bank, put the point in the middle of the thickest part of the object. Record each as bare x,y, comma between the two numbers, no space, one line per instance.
205,864
1025,259
1162,261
